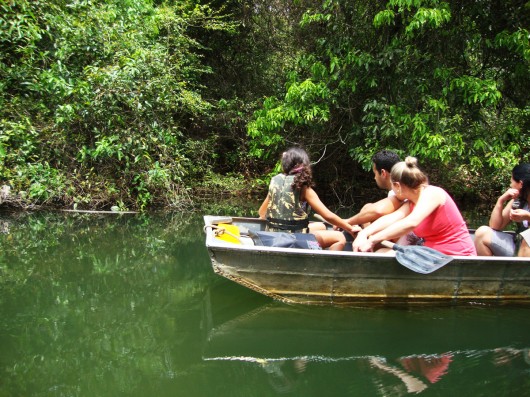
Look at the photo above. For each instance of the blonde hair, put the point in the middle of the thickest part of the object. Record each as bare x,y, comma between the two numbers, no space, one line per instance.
407,173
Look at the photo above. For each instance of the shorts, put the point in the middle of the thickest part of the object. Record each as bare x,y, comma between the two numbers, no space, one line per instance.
503,244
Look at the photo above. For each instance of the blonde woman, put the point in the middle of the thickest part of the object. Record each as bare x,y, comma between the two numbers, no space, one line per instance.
429,212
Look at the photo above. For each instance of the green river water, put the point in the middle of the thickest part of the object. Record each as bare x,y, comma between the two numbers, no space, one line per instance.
127,305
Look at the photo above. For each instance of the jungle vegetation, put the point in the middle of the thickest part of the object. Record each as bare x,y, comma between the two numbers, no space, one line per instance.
141,104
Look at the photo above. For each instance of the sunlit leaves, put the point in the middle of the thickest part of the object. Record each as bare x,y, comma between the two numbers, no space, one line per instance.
311,17
406,4
305,102
18,23
475,90
416,15
518,42
430,17
385,17
108,86
424,77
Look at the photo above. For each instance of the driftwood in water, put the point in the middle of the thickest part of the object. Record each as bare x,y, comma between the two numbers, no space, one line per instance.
102,212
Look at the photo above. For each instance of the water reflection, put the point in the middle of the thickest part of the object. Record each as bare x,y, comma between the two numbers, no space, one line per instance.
415,372
386,352
128,305
98,304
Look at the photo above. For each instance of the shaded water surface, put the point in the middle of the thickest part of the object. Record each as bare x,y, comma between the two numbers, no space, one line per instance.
127,305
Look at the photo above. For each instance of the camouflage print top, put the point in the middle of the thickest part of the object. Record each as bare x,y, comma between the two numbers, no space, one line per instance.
285,211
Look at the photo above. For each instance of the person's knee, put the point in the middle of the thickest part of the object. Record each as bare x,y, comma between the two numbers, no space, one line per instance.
339,244
316,226
340,241
482,232
332,240
482,240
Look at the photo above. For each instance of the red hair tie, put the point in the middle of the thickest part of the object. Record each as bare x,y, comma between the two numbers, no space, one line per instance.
296,170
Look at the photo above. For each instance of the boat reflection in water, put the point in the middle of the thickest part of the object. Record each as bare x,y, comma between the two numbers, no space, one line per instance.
390,351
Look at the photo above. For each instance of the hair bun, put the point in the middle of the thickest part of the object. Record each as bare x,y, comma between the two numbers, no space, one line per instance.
411,162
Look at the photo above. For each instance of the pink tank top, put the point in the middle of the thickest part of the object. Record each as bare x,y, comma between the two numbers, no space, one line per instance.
445,230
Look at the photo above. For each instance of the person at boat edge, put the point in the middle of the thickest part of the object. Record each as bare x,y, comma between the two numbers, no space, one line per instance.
429,212
291,197
511,206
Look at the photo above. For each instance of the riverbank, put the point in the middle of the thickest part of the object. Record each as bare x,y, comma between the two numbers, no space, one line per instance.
221,193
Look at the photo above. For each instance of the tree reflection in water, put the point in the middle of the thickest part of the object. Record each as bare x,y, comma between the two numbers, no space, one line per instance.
94,305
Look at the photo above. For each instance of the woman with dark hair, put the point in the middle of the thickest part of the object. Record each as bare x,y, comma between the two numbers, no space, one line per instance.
291,197
511,206
428,211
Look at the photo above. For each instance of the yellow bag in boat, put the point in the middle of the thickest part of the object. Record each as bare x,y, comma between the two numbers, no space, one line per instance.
228,233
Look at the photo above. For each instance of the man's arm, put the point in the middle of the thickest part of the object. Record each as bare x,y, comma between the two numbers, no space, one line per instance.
372,211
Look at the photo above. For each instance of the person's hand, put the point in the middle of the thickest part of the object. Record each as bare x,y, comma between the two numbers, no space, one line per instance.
361,243
509,194
355,229
519,215
352,230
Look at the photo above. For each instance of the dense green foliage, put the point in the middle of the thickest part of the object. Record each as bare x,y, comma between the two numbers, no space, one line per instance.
134,103
447,82
97,97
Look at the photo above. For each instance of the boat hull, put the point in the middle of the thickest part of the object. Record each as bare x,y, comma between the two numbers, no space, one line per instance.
345,278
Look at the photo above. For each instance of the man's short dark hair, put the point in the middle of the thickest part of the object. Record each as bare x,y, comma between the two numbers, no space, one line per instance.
385,160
